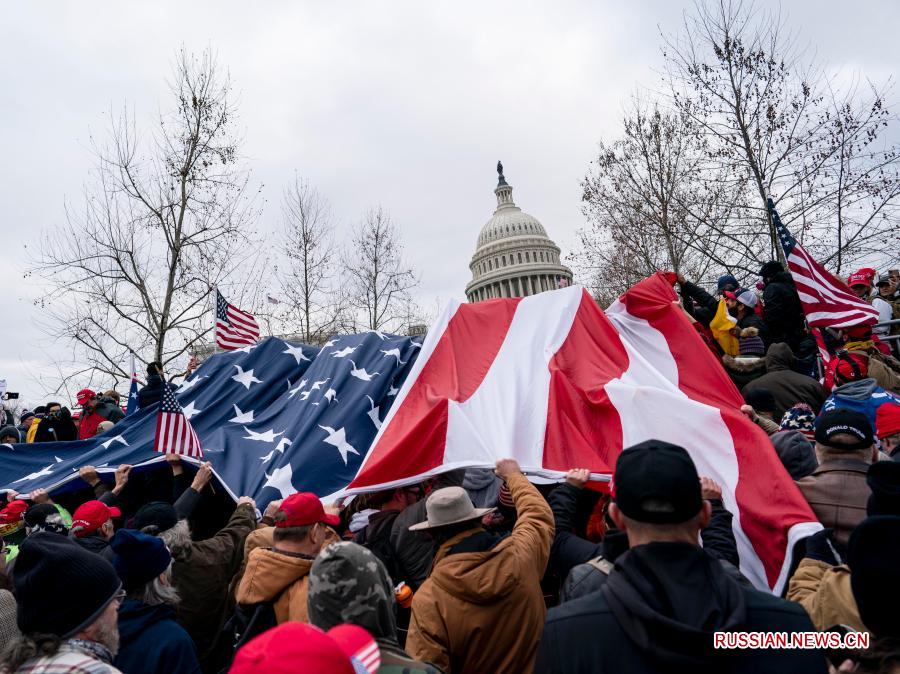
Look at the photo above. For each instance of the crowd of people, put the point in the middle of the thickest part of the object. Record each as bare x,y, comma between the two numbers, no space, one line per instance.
480,570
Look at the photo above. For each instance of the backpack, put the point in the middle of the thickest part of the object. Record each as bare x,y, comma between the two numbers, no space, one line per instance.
248,621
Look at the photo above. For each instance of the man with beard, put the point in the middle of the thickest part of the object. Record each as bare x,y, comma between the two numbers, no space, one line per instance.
741,305
68,601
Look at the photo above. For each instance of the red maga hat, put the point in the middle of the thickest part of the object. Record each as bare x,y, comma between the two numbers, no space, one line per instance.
303,509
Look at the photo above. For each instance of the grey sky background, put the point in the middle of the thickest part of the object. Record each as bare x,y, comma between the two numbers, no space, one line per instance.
404,104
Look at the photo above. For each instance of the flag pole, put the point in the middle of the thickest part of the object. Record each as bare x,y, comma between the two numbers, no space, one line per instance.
212,295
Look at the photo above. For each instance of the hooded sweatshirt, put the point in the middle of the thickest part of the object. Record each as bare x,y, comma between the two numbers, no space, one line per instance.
349,584
864,396
658,612
787,386
152,642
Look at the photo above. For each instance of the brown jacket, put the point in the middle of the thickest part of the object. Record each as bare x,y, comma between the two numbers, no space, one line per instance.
481,612
269,575
837,493
824,591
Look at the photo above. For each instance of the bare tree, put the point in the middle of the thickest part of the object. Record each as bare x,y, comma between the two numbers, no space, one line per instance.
162,223
651,199
307,276
779,124
379,281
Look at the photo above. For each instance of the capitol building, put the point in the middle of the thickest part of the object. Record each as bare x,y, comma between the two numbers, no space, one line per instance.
514,256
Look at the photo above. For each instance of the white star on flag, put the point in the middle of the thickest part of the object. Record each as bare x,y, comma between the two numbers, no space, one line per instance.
280,479
190,410
296,352
245,378
338,438
241,417
360,373
266,436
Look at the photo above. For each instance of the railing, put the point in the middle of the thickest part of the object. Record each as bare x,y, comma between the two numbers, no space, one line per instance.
884,324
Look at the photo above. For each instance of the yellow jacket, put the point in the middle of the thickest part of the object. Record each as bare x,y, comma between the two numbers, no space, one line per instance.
824,591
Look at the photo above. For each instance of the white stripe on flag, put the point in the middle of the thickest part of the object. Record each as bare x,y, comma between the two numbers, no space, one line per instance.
488,426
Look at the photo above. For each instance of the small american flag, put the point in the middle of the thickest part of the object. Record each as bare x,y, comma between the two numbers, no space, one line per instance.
234,328
174,433
826,300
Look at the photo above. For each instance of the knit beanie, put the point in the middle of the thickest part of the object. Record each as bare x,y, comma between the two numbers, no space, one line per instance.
158,514
60,587
751,345
887,420
801,418
138,558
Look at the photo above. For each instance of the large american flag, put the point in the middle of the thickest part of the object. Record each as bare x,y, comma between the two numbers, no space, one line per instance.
174,433
555,383
235,329
826,300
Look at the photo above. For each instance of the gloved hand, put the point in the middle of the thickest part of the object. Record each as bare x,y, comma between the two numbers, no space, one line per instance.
820,546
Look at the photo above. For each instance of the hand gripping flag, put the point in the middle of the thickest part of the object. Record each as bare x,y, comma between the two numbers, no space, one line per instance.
174,433
826,300
555,383
234,328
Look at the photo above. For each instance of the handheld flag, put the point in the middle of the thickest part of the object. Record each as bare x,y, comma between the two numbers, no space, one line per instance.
174,433
826,300
132,391
234,328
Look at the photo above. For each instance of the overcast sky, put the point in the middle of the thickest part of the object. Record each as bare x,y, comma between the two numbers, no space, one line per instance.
404,104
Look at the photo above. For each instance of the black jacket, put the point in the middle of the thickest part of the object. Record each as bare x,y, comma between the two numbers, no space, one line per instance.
58,427
107,408
152,392
658,611
782,310
752,320
96,544
705,309
718,541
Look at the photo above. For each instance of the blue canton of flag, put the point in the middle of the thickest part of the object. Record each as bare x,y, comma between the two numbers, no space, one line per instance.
274,418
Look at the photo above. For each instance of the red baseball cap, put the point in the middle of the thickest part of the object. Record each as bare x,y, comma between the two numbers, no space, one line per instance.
84,395
280,649
863,277
13,512
92,515
887,421
303,509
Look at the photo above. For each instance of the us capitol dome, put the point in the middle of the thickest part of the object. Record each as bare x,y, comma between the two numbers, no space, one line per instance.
514,256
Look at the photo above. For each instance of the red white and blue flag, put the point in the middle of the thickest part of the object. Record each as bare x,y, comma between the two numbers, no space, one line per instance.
827,301
235,329
555,383
132,406
174,433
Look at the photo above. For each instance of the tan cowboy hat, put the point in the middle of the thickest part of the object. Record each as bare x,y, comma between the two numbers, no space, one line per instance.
449,505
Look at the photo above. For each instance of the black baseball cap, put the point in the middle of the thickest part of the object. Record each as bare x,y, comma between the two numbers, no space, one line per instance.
656,482
844,421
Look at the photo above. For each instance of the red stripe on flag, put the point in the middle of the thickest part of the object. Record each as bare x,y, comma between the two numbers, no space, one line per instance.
462,357
581,421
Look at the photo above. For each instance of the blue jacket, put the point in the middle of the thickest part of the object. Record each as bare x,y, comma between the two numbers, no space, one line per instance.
151,642
860,396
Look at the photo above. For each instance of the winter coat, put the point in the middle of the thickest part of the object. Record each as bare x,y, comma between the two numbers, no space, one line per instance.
825,592
787,386
414,550
743,370
203,576
96,544
657,613
864,396
152,392
885,370
88,427
277,577
483,611
56,428
837,492
797,453
782,311
152,642
109,410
